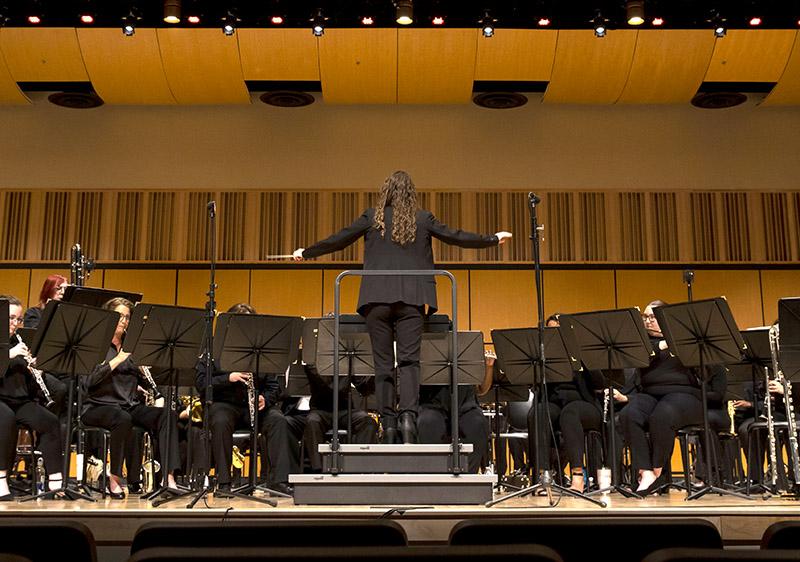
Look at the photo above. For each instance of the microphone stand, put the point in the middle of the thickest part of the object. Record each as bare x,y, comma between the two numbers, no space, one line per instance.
688,278
208,358
544,478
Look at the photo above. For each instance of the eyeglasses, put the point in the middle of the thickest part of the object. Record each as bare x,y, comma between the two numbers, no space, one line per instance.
124,317
15,319
648,317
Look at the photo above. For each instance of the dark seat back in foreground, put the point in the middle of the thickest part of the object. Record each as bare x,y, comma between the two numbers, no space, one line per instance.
45,541
371,532
719,555
578,540
783,534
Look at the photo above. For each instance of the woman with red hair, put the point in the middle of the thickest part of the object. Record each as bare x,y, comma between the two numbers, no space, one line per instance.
52,289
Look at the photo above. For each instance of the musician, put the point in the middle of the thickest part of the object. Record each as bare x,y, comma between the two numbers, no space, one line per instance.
397,236
669,399
52,289
113,401
19,405
230,410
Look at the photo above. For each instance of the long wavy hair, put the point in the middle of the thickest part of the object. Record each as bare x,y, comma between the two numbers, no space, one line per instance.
50,288
398,191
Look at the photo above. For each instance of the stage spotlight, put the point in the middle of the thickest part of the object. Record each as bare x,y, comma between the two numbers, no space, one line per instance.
230,21
720,31
34,19
437,20
487,25
404,12
129,30
318,24
754,21
194,20
718,24
635,12
658,22
172,11
130,21
367,20
543,22
276,20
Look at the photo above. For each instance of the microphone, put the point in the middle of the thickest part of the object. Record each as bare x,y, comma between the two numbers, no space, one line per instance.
212,208
533,199
688,276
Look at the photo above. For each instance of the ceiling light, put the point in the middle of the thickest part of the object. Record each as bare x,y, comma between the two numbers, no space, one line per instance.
543,22
87,19
367,20
35,20
276,20
172,11
755,21
657,22
487,25
318,24
404,12
720,31
193,19
229,22
130,20
128,29
437,20
635,12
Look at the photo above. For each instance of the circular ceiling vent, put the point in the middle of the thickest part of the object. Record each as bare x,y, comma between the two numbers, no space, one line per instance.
287,99
76,100
500,100
718,100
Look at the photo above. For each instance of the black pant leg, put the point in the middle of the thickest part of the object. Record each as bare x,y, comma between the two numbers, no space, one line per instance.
576,419
432,424
283,444
223,419
45,423
381,334
317,424
119,423
633,421
672,412
157,422
473,428
365,430
8,436
408,331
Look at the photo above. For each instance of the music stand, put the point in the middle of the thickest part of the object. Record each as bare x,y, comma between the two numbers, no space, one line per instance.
72,339
700,334
94,296
256,344
610,341
435,359
519,353
168,337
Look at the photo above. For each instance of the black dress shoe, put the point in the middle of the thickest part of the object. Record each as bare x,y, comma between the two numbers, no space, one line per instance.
408,427
224,487
135,488
656,486
115,495
7,498
282,487
389,436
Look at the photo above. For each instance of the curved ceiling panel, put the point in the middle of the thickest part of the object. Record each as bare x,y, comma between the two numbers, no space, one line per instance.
125,70
750,55
590,69
279,54
202,66
787,90
436,65
668,66
359,66
48,54
10,94
523,55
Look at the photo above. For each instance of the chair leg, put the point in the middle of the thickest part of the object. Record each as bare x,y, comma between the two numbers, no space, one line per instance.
683,442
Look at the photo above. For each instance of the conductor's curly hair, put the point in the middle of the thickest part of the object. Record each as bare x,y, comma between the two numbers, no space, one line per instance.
398,191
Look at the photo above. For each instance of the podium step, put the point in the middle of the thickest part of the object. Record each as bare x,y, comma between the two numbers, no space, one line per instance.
395,459
392,489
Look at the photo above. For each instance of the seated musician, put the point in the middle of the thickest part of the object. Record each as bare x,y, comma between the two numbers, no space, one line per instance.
19,405
52,289
230,410
113,401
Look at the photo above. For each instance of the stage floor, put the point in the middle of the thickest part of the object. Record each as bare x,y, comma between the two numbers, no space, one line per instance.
114,522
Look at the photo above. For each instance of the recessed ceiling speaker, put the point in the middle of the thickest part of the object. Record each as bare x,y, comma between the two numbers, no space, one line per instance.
718,100
500,100
287,99
75,100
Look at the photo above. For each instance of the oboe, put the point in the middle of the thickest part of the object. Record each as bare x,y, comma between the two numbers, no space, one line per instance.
148,376
38,376
251,398
773,446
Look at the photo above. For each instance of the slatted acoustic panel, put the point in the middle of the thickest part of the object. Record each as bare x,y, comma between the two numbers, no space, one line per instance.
663,242
781,224
196,227
436,66
279,54
590,71
517,55
750,55
501,299
359,66
159,286
629,233
10,94
43,54
668,66
14,230
777,284
787,90
125,70
233,286
202,66
287,292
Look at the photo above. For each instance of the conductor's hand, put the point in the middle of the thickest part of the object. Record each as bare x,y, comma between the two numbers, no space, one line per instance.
297,255
502,237
262,402
239,377
19,350
490,357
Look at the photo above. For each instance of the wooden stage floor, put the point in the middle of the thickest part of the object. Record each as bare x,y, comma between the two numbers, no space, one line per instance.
114,522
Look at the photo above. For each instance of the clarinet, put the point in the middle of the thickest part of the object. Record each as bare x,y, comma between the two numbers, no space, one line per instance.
38,376
251,398
148,376
774,336
791,424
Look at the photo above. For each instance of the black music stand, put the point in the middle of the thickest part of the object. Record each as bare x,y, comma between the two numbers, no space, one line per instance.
355,359
610,341
168,337
700,334
519,353
435,359
71,339
256,344
94,296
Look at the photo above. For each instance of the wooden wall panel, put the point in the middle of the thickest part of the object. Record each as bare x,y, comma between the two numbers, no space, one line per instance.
359,66
739,287
636,287
16,283
517,54
589,69
157,285
10,94
750,55
125,70
787,90
233,286
444,298
578,290
776,285
47,54
203,66
668,66
348,299
290,292
436,65
502,299
278,54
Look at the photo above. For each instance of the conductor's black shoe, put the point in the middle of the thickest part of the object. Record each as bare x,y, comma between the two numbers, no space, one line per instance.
408,427
282,487
389,436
